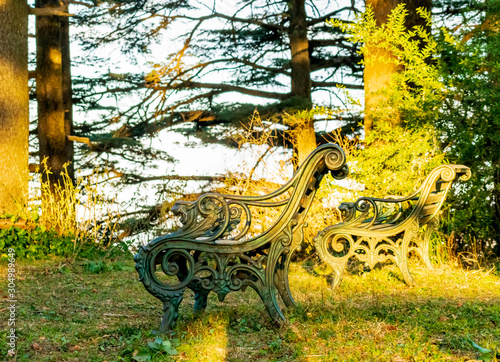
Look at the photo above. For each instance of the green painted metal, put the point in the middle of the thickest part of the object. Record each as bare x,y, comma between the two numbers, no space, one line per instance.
376,230
219,249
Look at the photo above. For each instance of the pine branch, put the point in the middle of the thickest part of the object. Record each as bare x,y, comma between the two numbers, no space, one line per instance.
131,179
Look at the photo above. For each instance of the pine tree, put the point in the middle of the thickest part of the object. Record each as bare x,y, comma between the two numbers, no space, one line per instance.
53,92
280,51
14,99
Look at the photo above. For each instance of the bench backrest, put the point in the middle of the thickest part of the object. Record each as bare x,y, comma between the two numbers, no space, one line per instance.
393,213
212,216
435,188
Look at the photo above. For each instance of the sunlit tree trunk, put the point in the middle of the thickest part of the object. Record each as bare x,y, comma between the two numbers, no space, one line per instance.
378,71
305,137
14,119
49,95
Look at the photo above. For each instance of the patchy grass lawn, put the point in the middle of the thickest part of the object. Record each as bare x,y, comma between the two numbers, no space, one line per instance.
90,311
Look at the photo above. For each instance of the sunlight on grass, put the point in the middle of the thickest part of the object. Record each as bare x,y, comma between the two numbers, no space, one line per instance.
74,312
210,336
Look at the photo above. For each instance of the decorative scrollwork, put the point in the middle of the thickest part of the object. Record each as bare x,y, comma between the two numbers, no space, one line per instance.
340,174
335,159
239,212
171,263
448,174
338,246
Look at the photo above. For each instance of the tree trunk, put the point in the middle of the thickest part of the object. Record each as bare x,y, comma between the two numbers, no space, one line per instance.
67,92
49,95
14,105
304,135
378,73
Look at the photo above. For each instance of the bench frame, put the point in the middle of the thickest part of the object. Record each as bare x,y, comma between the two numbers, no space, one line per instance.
375,230
216,249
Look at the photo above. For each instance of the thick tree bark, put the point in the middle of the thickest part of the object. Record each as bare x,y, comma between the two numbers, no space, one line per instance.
14,98
67,92
304,135
378,73
49,93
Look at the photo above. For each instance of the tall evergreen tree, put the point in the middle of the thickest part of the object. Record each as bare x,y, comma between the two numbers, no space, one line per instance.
54,118
471,120
14,99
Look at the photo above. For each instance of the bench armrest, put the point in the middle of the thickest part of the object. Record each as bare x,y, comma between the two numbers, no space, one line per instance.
385,210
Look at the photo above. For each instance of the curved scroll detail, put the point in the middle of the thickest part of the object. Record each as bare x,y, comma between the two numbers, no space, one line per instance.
335,159
335,249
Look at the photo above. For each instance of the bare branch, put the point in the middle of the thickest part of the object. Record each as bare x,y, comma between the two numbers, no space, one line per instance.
323,18
85,140
337,84
60,11
136,179
74,2
233,88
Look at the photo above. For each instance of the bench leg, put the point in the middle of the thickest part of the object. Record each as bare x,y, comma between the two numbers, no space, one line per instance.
170,312
424,246
200,299
266,286
402,258
338,273
424,253
268,296
281,281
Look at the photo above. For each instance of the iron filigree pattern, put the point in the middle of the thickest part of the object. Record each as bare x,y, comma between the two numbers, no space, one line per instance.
216,249
376,230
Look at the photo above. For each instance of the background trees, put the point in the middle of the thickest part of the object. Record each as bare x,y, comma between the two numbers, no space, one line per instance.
470,122
276,56
379,62
203,70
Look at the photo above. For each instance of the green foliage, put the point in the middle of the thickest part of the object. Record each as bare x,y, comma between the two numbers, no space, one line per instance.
470,121
449,82
38,243
157,348
416,89
395,160
75,219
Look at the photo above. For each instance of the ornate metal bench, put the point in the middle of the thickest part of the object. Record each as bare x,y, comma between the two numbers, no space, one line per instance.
221,249
375,230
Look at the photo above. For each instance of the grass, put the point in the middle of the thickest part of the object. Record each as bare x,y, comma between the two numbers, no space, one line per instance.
97,311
